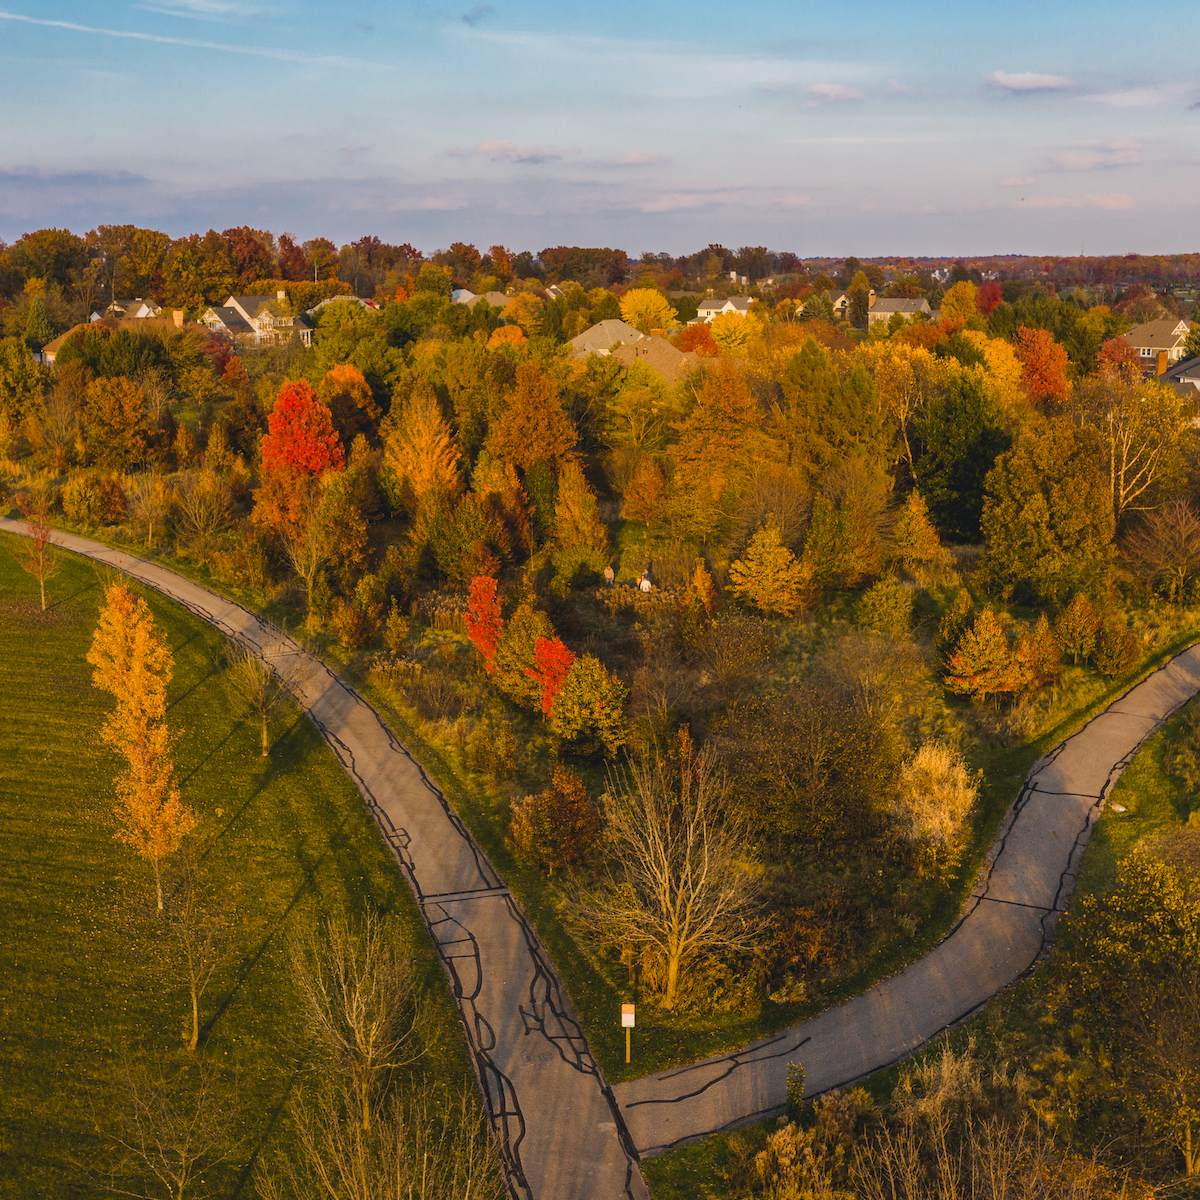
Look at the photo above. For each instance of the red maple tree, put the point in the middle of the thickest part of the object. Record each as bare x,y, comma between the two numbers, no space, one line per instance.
987,297
1043,366
1118,357
483,620
553,663
699,339
300,435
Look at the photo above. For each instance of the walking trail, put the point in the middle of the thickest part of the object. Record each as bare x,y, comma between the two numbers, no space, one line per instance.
563,1133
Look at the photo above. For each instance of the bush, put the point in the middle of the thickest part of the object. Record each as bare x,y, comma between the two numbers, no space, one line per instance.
577,566
355,622
934,794
559,828
1116,648
887,607
94,500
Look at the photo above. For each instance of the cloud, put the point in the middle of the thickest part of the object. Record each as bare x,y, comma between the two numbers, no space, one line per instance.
474,15
640,160
1017,181
506,151
1028,81
1113,200
834,92
1123,152
894,85
711,197
352,151
204,10
224,47
1139,97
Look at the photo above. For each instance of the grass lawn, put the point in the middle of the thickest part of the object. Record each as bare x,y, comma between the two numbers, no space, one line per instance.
87,980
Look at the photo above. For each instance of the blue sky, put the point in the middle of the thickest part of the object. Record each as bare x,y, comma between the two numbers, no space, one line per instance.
866,128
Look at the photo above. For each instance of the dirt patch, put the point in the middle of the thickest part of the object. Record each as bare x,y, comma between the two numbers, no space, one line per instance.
26,616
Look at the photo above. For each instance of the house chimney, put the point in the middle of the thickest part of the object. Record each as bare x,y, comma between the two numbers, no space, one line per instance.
177,317
1161,365
281,295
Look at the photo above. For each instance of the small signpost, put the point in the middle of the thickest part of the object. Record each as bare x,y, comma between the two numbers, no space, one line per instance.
627,1022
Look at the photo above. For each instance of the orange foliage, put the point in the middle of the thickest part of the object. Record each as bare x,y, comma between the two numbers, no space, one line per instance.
533,425
698,339
1118,357
508,335
1043,366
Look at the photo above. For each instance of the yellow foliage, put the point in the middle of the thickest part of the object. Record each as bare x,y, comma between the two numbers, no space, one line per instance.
731,333
1002,376
958,304
421,452
646,309
525,310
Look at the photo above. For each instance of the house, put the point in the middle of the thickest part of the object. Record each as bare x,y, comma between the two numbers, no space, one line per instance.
1159,343
882,310
1184,377
841,303
602,337
257,319
659,355
707,309
136,309
470,299
175,321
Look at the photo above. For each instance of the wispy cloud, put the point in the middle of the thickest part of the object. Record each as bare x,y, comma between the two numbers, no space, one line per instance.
1124,152
506,151
1017,181
134,35
1112,200
1029,81
637,159
713,197
474,15
834,92
1138,97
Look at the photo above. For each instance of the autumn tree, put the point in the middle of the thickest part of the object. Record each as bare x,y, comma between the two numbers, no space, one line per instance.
533,424
1164,550
558,828
552,661
36,553
514,656
646,309
1076,627
421,454
352,407
983,664
483,621
1118,356
133,663
731,333
768,575
576,516
114,422
959,304
1048,517
914,540
264,686
1043,367
589,702
1039,655
685,884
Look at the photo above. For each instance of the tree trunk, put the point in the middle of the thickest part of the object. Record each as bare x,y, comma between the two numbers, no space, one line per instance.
158,884
42,585
266,745
672,980
195,1040
1189,1159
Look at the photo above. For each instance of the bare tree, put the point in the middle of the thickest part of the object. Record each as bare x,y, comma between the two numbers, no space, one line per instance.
308,551
264,686
148,500
1165,549
362,1004
171,1129
733,648
420,1149
203,499
203,925
37,554
686,884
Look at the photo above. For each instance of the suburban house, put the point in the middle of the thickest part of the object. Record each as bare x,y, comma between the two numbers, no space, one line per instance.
136,309
622,342
470,299
841,303
707,309
1159,343
1184,377
257,319
166,324
882,310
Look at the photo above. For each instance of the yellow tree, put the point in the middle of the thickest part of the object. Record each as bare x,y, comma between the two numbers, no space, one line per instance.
731,333
525,310
421,452
132,662
768,575
646,309
958,304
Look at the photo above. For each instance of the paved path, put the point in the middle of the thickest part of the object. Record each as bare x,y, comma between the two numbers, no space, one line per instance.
563,1135
1008,921
556,1123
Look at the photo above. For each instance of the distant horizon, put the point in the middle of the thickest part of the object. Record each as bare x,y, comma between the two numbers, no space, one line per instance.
1055,129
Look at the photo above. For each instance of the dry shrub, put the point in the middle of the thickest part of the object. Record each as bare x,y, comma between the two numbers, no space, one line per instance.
94,500
934,794
494,749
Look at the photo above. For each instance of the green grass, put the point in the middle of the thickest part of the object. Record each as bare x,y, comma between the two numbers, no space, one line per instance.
85,981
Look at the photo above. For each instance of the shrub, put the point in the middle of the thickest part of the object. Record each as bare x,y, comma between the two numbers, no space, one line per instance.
94,500
559,828
934,794
355,622
887,607
1116,648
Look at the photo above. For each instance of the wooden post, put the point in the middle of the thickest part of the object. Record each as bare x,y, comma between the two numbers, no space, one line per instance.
627,1048
627,1021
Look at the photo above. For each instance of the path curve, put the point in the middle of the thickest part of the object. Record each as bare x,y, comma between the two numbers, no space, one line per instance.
556,1123
1008,921
564,1134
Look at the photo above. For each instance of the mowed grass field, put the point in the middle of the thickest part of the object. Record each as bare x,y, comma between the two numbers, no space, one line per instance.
89,983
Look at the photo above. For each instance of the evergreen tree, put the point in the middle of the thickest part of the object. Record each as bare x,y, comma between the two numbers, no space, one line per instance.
982,665
915,542
768,575
38,330
1076,628
1038,655
590,702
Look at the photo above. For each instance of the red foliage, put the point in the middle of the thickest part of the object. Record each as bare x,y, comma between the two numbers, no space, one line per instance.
644,491
553,661
1118,357
1043,366
926,334
484,623
300,434
698,339
987,297
292,263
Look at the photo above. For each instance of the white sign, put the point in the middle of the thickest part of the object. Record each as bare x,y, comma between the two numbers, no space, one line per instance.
627,1016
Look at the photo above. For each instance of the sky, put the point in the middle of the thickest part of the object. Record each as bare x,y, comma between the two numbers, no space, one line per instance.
873,128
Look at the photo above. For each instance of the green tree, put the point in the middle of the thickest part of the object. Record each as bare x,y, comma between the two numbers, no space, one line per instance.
768,575
515,655
962,434
590,703
38,330
1048,516
22,381
859,295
